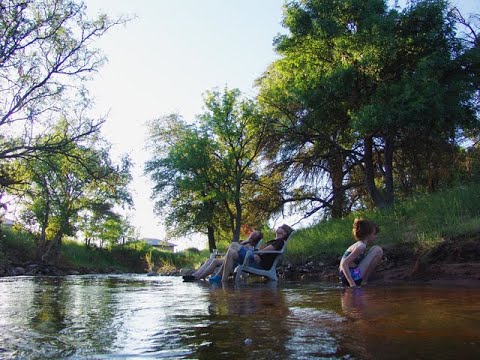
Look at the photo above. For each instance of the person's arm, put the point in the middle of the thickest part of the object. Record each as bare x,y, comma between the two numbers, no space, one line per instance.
273,245
268,248
345,263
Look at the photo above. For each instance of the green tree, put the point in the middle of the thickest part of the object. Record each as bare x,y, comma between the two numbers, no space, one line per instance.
46,55
238,130
183,176
312,89
423,100
99,224
56,190
206,174
356,86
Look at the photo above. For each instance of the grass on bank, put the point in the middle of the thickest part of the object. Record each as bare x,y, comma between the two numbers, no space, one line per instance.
136,256
15,244
18,247
420,223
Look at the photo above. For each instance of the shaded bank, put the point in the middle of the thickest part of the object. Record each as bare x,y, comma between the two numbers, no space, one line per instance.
18,257
454,260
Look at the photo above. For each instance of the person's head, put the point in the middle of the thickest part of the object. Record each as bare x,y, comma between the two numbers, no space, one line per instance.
255,237
364,229
283,231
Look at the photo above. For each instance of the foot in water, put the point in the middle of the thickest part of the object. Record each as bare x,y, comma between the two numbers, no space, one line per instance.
215,279
189,278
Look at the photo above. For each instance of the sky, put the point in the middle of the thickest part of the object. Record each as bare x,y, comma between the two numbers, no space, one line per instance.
163,60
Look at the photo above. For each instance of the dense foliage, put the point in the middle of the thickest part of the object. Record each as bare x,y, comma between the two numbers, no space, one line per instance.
365,105
207,175
370,102
53,160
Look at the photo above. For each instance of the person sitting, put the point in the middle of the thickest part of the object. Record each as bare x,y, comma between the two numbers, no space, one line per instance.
236,255
210,266
356,265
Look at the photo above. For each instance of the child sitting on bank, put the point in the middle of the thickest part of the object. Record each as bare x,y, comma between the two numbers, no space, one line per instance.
356,264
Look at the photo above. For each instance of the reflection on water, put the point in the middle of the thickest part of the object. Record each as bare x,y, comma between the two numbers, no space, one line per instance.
132,316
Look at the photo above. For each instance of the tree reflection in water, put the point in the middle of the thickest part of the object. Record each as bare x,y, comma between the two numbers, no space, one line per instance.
130,316
257,313
398,322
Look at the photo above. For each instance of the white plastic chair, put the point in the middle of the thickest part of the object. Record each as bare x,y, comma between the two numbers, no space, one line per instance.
271,273
215,254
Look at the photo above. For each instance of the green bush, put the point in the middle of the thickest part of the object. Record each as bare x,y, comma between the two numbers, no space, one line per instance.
78,255
16,244
421,222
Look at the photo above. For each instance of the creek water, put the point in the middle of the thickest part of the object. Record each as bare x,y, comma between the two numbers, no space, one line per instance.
140,317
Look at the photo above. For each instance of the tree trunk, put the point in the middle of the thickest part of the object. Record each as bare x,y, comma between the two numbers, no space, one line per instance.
389,190
372,189
336,176
211,238
52,250
238,213
42,241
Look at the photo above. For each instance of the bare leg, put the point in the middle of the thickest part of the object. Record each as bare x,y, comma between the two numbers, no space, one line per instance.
219,272
210,269
230,257
371,260
202,268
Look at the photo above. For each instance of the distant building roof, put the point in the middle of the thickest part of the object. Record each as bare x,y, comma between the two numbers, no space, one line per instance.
7,222
158,242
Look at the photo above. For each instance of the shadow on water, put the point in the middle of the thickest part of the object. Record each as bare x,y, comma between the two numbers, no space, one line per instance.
132,316
242,322
423,322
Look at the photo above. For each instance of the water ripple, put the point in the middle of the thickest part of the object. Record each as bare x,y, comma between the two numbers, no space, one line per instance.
139,317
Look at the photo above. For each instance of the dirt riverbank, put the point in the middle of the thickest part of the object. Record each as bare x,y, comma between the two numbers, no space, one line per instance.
455,260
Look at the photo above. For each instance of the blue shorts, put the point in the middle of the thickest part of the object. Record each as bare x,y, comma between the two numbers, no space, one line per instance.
356,276
241,258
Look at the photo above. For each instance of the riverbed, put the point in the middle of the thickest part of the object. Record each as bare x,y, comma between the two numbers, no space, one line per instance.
140,317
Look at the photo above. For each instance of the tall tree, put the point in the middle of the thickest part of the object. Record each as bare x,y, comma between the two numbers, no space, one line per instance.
356,84
422,100
58,189
183,176
315,85
237,128
46,54
204,174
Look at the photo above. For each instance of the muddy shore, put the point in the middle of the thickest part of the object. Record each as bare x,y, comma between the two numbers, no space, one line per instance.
454,261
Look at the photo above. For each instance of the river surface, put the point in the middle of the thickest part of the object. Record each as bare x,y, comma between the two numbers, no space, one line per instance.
140,317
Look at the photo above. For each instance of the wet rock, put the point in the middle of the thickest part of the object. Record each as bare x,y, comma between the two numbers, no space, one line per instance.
248,341
58,272
31,267
185,271
18,271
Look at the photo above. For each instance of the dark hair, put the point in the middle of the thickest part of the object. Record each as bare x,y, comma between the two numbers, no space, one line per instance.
287,229
255,241
362,228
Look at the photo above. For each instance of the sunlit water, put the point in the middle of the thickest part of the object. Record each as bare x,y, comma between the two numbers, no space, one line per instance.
139,317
